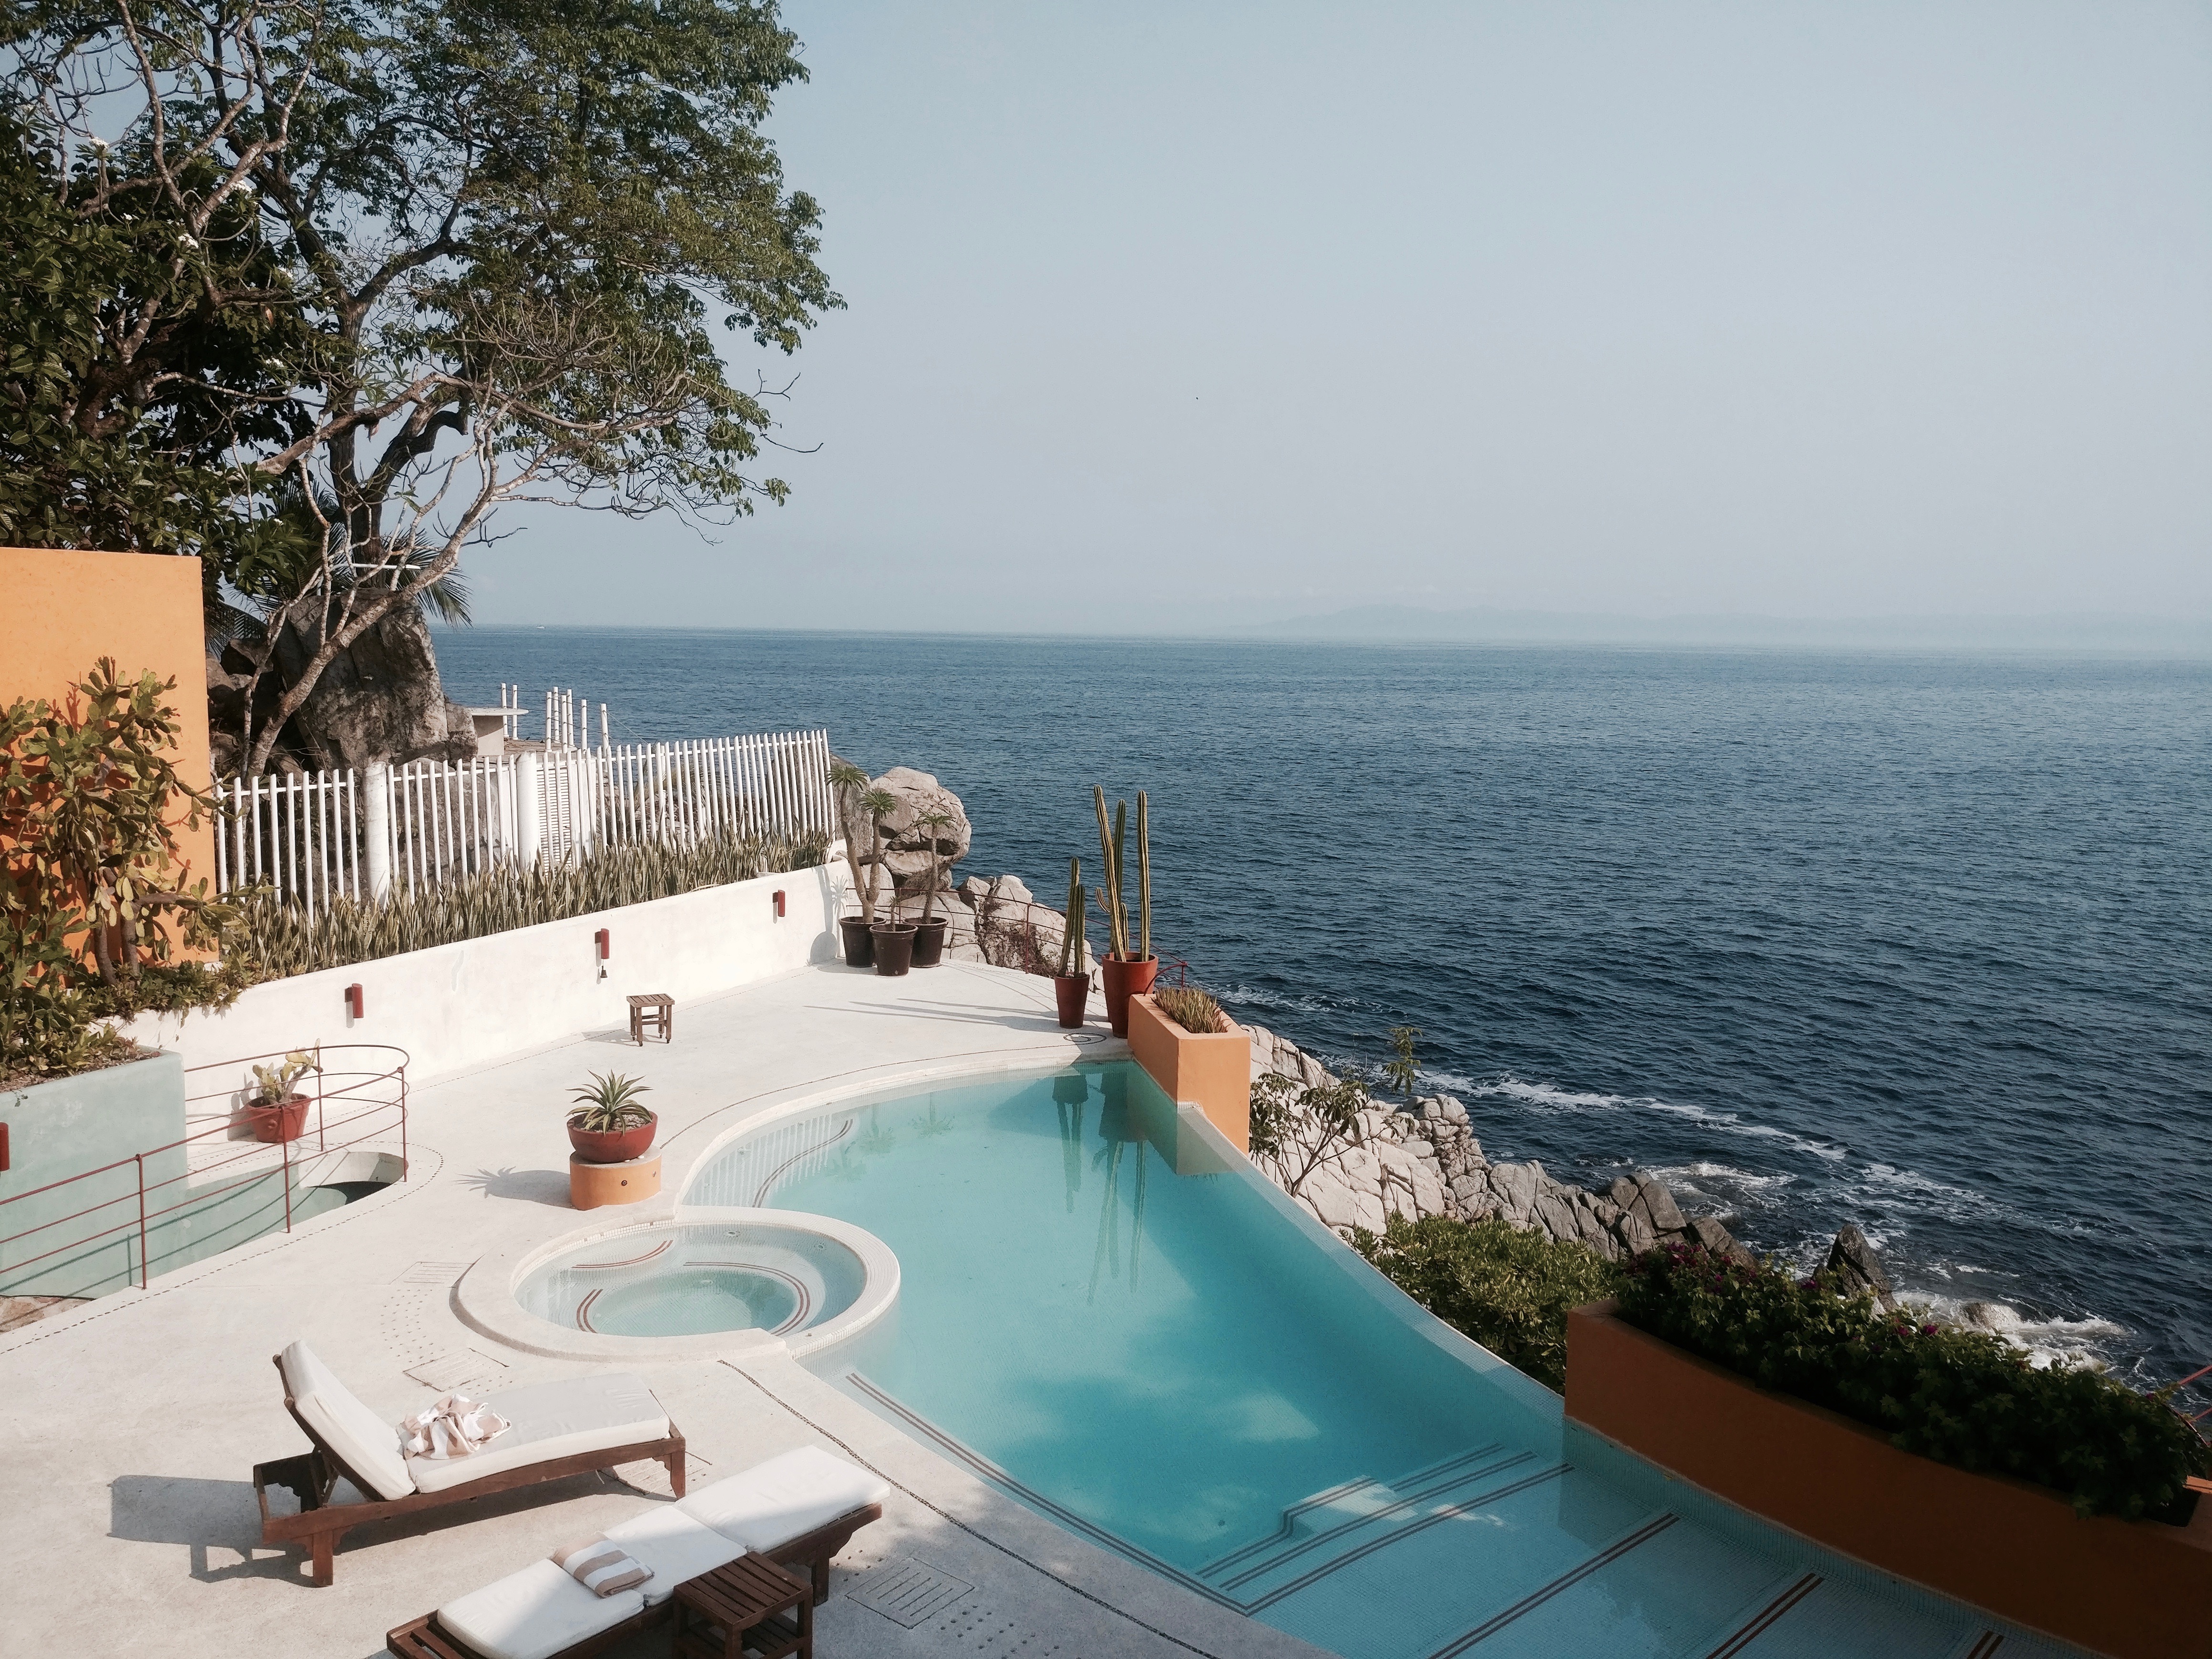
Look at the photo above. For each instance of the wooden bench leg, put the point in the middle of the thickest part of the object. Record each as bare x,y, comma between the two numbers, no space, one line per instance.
320,1548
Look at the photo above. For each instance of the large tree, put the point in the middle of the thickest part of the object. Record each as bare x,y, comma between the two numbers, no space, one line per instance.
471,250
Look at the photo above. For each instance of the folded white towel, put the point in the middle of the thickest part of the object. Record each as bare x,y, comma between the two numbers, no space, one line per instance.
453,1427
600,1565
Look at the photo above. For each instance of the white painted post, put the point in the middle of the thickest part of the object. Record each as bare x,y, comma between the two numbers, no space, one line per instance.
530,822
376,830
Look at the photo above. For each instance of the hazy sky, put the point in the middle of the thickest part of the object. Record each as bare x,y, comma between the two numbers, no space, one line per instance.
1173,317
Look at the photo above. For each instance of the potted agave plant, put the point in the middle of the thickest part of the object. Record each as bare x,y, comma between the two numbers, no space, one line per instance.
606,1125
929,931
276,1111
858,931
1071,986
1127,973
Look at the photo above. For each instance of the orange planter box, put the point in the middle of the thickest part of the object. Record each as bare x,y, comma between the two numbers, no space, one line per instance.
1213,1072
2134,1589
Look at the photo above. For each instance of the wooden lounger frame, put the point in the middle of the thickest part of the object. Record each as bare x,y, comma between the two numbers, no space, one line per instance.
424,1639
321,1523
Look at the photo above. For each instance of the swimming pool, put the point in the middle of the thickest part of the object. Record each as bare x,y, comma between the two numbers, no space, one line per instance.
1114,1320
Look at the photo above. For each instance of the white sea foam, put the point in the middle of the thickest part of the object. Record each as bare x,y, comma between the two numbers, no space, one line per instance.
1250,996
1553,1099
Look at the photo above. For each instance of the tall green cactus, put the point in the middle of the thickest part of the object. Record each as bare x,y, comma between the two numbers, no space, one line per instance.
1073,947
1144,877
1113,897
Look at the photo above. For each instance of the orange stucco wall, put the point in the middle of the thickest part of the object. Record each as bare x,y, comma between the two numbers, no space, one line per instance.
60,613
2134,1589
1213,1073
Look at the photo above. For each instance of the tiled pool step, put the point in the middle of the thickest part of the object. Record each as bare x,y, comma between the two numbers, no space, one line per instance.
1499,1553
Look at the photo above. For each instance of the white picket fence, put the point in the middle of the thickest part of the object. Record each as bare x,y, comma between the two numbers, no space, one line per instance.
317,837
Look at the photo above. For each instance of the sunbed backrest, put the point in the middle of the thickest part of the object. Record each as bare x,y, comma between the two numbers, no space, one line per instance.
366,1445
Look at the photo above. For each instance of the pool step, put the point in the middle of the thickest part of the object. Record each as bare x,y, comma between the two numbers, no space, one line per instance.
1340,1509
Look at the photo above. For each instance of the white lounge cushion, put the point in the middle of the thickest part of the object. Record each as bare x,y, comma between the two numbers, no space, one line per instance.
364,1442
534,1613
553,1420
785,1497
677,1548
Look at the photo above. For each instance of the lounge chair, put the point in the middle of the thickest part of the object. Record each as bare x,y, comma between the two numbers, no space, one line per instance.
559,1429
799,1510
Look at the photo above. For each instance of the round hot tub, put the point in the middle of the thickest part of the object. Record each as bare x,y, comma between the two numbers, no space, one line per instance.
667,1285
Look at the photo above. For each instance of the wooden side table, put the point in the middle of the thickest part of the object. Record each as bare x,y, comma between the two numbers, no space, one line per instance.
652,1010
749,1608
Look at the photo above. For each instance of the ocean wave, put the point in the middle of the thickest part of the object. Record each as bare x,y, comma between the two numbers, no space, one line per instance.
1550,1097
1247,996
2044,1341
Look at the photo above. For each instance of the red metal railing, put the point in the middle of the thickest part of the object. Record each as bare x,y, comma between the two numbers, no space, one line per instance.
366,1083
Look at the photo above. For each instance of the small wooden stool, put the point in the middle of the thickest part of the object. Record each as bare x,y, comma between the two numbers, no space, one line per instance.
749,1608
654,1010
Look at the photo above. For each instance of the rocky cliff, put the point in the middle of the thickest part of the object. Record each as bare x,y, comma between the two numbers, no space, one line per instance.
1427,1162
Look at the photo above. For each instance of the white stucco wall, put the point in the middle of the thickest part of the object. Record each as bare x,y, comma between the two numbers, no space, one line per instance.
458,1005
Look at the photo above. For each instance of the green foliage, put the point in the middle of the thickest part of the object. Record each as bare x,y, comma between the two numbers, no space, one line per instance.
280,939
122,395
1508,1288
1191,1008
1401,1068
425,257
1301,1129
91,894
1959,1396
273,1083
608,1102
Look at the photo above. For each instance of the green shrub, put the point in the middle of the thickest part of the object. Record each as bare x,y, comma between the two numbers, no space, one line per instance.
92,896
280,939
1959,1396
1508,1288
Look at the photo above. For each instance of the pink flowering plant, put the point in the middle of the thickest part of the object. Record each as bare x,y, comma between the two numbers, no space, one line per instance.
1959,1396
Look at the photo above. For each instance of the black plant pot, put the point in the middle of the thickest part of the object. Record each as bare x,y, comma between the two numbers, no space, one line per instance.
929,942
894,943
859,945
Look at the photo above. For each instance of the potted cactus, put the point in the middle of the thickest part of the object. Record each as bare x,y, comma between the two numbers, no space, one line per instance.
275,1111
929,931
857,932
1071,986
606,1125
1127,973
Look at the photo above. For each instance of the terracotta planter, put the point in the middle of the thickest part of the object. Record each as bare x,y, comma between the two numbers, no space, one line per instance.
1212,1071
2134,1589
859,945
1123,980
894,945
613,1145
1072,993
929,941
279,1121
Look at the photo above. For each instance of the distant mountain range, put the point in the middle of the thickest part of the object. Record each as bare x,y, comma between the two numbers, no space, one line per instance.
1408,623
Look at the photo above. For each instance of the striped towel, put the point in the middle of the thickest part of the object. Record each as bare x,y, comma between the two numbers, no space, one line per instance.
599,1565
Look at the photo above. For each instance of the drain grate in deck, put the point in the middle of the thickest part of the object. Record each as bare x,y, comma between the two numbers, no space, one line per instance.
907,1591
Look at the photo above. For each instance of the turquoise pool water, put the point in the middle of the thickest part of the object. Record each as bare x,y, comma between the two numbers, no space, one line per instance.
1127,1331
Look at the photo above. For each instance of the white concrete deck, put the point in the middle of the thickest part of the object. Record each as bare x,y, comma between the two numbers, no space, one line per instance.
129,1426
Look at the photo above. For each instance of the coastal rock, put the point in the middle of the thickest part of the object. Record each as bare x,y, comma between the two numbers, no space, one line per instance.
1856,1269
1658,1204
1717,1238
1272,1054
911,853
1994,1317
1633,1229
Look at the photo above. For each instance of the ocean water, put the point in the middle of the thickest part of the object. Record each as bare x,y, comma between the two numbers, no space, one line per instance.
1923,942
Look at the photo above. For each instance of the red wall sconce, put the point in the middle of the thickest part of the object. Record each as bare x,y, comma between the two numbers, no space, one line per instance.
4,1146
356,1003
602,939
779,904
